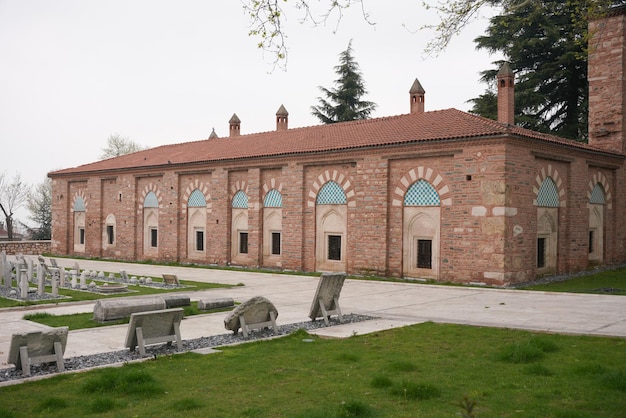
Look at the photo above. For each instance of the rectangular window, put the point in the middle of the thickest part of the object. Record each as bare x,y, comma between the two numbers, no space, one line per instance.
243,243
199,240
334,247
591,242
153,237
541,252
275,243
110,237
81,236
424,254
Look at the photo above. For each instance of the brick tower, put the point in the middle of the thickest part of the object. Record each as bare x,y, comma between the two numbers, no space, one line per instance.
506,95
607,59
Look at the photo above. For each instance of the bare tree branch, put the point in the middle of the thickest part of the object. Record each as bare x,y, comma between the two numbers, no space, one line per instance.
118,145
267,19
454,16
13,194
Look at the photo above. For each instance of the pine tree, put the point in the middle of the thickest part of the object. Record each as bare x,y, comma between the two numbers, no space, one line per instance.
545,44
343,103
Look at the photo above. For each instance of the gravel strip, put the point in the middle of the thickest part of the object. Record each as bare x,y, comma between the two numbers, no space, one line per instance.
123,356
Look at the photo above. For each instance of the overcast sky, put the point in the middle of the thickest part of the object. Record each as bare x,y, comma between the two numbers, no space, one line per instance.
73,72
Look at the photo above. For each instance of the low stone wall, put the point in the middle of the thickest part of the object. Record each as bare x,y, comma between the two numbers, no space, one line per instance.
26,247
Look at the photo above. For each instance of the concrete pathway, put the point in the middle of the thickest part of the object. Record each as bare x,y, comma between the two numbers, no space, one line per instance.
393,304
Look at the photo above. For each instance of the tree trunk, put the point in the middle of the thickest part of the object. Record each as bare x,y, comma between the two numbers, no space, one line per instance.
9,220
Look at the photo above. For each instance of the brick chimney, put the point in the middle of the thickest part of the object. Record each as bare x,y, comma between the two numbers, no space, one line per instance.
506,95
606,63
235,125
282,119
417,93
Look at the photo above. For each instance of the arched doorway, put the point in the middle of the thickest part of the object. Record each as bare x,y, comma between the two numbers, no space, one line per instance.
331,214
421,225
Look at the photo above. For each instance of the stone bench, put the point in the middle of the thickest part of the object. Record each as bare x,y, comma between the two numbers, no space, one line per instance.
215,303
152,327
38,347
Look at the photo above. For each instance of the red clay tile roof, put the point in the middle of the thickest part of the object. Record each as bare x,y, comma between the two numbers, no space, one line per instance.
441,125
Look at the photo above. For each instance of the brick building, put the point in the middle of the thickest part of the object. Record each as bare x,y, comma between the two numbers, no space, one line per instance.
439,194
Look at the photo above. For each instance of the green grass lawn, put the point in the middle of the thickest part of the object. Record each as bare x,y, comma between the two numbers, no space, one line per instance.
425,370
611,282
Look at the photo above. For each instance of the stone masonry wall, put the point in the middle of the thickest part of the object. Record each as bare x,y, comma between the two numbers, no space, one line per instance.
607,84
488,214
488,227
25,247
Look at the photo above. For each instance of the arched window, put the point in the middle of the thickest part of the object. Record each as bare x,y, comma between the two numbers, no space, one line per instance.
597,195
421,193
240,200
196,199
331,194
548,195
79,204
273,199
151,201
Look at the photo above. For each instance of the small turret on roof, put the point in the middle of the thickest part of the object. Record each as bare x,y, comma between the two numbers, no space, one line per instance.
235,125
282,119
213,134
417,94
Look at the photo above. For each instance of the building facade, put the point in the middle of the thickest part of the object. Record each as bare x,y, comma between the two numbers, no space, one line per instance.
442,194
